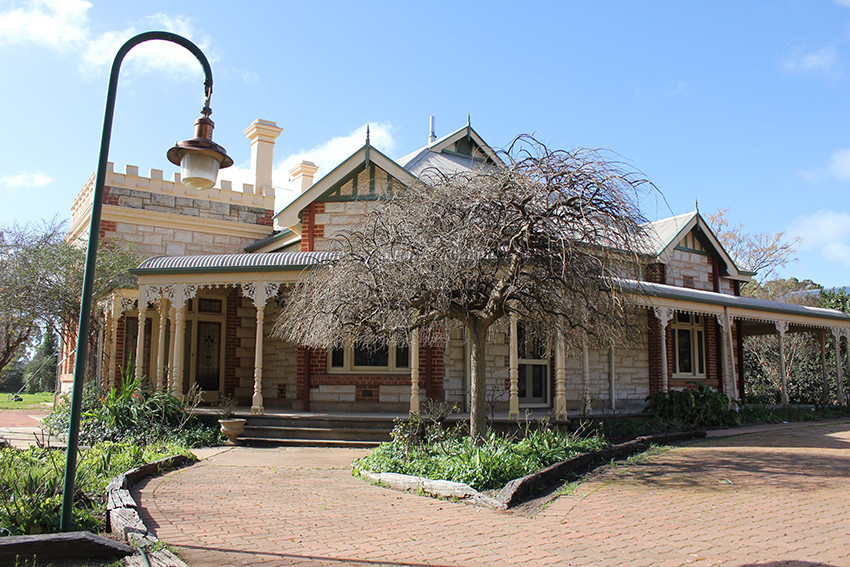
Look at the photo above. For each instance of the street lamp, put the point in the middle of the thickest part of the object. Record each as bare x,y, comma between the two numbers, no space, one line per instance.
199,159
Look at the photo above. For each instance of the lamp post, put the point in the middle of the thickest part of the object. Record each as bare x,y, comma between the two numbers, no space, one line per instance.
199,159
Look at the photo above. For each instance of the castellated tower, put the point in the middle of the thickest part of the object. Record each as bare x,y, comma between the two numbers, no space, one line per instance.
158,217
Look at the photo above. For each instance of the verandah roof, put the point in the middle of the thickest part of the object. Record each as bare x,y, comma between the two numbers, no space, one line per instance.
652,293
207,263
741,307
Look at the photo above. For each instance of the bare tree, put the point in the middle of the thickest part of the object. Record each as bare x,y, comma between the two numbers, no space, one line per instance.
547,238
759,252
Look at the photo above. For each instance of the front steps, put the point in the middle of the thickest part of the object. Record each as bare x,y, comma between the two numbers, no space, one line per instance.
318,429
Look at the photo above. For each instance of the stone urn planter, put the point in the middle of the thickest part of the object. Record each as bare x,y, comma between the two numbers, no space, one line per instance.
232,428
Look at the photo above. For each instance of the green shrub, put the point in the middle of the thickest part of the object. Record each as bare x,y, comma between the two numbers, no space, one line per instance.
450,454
128,413
701,406
31,483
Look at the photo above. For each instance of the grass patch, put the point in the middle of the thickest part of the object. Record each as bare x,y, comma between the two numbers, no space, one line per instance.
29,401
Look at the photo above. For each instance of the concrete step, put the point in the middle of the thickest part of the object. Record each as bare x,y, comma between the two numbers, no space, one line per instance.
316,433
342,443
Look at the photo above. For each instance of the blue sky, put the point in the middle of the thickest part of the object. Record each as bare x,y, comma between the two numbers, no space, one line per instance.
741,105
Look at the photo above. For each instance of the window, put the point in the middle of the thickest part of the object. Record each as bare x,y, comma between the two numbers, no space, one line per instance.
688,346
533,368
357,359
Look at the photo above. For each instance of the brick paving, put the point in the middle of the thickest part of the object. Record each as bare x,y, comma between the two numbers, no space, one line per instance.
777,497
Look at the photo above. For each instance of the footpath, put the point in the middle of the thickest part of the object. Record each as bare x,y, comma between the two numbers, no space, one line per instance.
763,496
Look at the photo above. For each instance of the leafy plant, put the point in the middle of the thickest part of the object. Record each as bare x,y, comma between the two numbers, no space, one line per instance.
31,483
452,455
700,406
129,413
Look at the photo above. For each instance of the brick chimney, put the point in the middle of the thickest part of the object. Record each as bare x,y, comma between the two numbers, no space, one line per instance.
302,175
262,134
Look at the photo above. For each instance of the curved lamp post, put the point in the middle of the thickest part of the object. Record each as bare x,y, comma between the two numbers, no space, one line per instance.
199,160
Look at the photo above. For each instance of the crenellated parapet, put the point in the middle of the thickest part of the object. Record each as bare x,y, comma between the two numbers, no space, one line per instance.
159,216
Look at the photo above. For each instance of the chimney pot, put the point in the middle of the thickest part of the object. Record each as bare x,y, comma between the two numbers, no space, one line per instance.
302,175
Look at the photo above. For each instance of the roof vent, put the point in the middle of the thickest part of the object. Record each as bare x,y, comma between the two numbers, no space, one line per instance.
432,136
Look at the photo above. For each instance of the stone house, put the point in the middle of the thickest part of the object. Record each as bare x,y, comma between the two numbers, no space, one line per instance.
204,308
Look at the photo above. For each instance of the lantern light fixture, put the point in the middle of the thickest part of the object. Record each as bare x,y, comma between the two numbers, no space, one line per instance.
200,158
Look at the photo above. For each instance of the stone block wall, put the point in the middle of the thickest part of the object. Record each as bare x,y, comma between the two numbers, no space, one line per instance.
697,271
156,217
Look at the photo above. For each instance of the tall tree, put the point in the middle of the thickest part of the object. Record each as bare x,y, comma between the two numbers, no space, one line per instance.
546,238
41,279
40,372
760,252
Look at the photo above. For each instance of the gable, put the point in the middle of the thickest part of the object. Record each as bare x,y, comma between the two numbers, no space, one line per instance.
690,233
364,182
696,242
365,175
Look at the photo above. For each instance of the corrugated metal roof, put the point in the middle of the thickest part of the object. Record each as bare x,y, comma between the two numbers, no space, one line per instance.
233,262
660,232
713,298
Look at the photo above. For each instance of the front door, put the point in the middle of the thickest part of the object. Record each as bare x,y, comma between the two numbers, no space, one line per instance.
208,349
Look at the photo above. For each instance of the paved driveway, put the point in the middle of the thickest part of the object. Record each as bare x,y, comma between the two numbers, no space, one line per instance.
780,497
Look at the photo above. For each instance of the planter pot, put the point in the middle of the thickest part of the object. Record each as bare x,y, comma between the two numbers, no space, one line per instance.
232,428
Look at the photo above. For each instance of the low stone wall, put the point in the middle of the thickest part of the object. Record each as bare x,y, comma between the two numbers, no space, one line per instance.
122,517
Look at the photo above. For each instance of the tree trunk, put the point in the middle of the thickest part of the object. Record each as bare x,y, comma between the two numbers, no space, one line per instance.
478,387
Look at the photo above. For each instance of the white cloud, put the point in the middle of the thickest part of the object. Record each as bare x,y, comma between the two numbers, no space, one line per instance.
826,232
21,180
326,155
839,164
59,24
63,25
820,61
845,3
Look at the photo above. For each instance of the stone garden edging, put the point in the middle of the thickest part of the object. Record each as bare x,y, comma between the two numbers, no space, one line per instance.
517,490
122,517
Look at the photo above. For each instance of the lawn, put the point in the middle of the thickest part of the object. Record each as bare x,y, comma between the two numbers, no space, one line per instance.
30,401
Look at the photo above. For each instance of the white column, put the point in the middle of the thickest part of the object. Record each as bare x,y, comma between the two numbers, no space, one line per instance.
513,401
140,340
585,377
160,345
169,368
839,366
612,378
733,373
823,373
179,319
257,399
841,384
560,377
414,371
259,292
782,328
664,314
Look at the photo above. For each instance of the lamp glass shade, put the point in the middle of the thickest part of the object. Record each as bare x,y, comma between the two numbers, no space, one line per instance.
198,170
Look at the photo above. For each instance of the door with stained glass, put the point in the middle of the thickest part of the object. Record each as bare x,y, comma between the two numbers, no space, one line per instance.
208,356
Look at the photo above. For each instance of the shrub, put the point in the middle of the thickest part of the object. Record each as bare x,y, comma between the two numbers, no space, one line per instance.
31,483
449,453
128,413
701,406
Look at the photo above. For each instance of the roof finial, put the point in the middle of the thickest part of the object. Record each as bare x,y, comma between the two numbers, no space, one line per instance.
368,144
468,119
468,126
696,205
